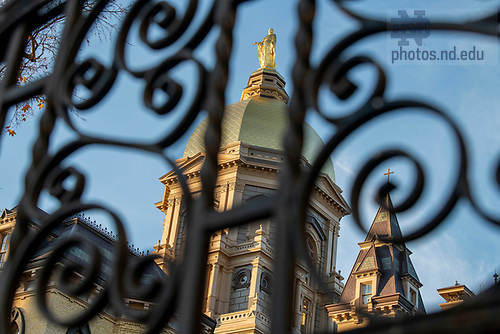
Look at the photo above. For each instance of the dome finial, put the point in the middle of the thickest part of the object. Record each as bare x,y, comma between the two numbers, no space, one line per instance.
267,50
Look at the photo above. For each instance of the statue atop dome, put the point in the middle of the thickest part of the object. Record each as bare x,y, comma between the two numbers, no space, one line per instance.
267,50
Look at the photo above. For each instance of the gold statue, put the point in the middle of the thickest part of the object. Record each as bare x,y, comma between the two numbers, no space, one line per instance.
267,50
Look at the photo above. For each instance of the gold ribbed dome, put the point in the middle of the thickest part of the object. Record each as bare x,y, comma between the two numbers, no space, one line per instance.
258,121
260,118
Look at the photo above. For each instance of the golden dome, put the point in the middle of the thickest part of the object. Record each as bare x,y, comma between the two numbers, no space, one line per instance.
258,121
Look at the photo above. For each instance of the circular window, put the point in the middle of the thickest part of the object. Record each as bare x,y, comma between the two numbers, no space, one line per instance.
242,279
266,282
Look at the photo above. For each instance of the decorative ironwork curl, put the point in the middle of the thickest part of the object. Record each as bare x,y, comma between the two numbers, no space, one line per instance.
100,82
168,22
183,290
45,171
57,189
333,70
65,284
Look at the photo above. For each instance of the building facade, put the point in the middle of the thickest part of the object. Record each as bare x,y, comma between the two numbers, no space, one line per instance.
26,317
240,262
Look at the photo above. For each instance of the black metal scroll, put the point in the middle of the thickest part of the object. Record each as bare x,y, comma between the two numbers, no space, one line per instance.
183,291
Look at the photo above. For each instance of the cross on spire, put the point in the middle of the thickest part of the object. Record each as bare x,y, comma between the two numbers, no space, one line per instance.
388,173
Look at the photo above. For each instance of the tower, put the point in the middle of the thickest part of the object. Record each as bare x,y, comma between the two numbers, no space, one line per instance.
240,260
383,280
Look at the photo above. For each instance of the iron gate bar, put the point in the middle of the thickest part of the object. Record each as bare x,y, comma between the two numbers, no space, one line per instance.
183,291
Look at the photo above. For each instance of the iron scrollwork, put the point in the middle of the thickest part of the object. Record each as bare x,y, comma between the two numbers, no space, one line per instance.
46,172
288,206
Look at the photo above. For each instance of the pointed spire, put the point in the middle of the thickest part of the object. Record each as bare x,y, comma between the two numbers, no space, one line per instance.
385,266
385,224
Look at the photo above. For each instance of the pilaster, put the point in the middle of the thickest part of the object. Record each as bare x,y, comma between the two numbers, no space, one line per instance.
256,272
330,254
213,290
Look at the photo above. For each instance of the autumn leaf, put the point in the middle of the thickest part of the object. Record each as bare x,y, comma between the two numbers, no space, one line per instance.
40,105
11,132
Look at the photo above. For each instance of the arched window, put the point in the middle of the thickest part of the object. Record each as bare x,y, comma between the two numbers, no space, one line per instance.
311,247
4,245
304,315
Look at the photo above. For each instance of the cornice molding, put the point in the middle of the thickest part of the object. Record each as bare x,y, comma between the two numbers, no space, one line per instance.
330,200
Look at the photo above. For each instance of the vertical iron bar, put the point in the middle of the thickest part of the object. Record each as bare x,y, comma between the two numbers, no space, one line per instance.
289,211
195,260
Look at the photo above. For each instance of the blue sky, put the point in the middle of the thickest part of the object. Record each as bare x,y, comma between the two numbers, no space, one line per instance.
464,248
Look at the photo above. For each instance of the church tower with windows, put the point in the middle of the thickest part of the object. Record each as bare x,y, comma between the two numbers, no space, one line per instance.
383,280
240,261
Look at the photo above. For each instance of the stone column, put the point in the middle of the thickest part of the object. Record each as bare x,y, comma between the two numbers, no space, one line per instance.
336,228
167,223
171,222
212,293
176,206
330,251
298,305
235,194
254,284
225,291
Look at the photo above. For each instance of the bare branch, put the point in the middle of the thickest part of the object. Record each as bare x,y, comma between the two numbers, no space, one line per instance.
41,50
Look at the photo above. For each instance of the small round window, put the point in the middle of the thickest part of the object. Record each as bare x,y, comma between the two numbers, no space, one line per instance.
242,279
266,282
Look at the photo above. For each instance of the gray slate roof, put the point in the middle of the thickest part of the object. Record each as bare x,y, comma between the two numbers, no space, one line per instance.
392,262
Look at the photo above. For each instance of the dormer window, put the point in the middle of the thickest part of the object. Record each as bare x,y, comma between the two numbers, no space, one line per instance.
413,297
366,290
